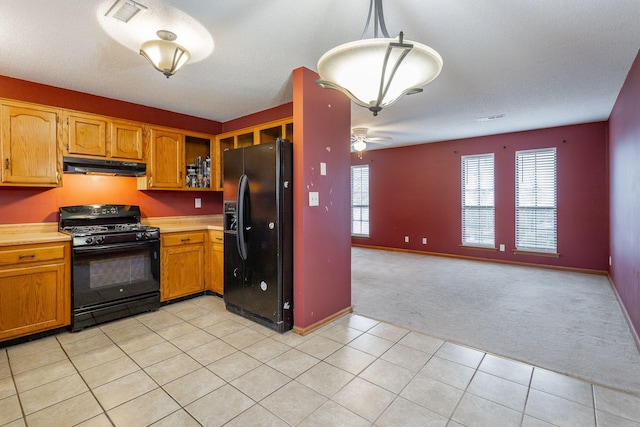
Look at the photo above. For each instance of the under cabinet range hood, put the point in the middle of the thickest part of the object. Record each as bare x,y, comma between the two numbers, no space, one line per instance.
103,167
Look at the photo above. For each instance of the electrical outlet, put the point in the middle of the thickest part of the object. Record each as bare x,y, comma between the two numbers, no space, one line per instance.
609,261
501,247
424,240
406,239
198,203
314,198
323,168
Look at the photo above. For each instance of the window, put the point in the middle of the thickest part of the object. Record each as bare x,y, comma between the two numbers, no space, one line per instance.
536,212
478,201
360,200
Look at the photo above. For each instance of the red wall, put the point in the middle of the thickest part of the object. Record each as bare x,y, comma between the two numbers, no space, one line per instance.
322,270
63,98
415,192
624,153
275,113
27,205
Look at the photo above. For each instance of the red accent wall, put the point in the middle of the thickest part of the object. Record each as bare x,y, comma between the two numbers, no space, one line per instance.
624,153
275,113
322,246
415,191
27,205
64,98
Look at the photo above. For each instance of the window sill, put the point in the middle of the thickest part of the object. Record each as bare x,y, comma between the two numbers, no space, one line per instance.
479,248
536,253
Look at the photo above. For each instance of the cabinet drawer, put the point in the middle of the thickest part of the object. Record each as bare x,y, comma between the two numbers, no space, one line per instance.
31,254
182,239
216,236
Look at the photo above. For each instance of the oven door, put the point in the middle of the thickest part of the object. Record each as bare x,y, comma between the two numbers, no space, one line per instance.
108,273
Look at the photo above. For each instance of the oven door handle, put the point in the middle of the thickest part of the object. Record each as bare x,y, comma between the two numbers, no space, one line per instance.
81,250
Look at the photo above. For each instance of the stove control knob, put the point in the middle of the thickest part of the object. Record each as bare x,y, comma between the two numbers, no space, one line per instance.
139,236
99,239
89,240
148,235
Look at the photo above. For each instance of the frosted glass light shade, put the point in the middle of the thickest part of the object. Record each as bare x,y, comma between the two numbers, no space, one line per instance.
356,68
359,145
165,56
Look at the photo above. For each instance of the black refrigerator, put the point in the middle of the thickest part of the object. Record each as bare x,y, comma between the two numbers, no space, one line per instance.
258,233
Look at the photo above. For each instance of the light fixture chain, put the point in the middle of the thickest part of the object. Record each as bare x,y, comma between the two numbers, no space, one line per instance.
375,8
380,19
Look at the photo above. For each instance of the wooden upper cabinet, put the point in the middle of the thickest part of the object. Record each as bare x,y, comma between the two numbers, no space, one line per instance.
92,135
29,144
165,168
126,140
260,134
87,135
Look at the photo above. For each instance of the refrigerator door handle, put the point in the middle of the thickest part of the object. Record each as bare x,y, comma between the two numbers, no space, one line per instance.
243,188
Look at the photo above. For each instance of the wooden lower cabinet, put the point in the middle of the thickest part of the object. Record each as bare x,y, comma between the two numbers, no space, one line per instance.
182,264
215,260
35,293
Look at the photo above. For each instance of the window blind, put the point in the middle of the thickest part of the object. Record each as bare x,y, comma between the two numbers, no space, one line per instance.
536,204
478,200
360,200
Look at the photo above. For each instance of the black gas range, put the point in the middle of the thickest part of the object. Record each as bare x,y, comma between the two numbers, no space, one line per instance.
115,263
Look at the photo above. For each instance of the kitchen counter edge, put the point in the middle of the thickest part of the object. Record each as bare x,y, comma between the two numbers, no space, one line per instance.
185,223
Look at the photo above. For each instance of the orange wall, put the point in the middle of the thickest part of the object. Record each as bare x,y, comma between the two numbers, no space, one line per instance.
34,205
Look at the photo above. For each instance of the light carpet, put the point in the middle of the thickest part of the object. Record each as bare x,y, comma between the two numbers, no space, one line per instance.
564,321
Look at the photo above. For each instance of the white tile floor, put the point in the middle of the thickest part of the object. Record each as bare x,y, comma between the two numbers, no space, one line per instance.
192,363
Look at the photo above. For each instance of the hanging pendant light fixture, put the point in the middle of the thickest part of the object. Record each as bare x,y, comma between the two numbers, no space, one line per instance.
165,55
376,72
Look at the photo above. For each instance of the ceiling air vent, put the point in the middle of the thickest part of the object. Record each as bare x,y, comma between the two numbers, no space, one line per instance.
125,10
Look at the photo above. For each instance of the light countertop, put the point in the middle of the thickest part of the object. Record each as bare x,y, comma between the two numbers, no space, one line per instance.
185,223
47,232
25,234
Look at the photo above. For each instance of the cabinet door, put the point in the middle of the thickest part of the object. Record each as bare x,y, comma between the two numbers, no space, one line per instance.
126,140
217,257
182,271
87,135
215,262
33,299
29,145
166,163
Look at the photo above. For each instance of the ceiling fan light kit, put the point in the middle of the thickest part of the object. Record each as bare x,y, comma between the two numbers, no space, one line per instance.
376,72
165,54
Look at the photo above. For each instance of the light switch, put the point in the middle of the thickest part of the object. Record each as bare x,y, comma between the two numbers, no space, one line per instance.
198,203
323,168
314,198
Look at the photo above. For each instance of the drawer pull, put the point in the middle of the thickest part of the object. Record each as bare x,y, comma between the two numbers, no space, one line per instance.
219,238
186,239
27,256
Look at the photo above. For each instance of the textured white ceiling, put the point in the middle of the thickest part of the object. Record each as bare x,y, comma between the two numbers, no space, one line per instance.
541,63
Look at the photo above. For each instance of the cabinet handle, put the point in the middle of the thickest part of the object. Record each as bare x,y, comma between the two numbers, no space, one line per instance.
219,238
186,239
57,177
27,256
6,163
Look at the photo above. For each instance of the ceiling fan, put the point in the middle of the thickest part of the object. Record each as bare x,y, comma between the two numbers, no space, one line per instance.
359,139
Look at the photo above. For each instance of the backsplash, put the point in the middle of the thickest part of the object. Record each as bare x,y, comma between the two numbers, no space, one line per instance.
22,205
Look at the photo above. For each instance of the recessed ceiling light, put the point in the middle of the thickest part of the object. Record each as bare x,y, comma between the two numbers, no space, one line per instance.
125,10
489,118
